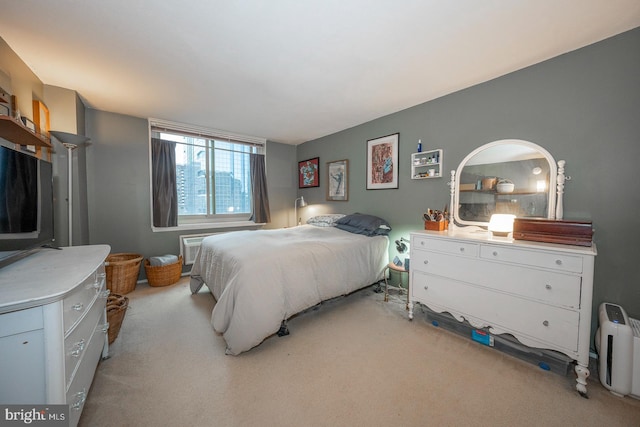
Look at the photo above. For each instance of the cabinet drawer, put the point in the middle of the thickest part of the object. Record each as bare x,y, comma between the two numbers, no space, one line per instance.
76,343
448,246
79,301
551,287
552,260
482,307
79,388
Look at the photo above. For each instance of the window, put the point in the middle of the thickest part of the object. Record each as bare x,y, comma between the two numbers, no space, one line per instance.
213,175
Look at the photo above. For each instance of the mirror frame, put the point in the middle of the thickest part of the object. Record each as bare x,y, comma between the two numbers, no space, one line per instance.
555,190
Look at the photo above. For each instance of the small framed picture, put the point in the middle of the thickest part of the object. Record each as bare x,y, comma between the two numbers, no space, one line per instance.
309,173
382,162
338,180
41,117
29,124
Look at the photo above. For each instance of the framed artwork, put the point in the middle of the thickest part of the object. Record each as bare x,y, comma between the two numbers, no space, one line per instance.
41,117
382,162
5,102
29,124
338,180
309,173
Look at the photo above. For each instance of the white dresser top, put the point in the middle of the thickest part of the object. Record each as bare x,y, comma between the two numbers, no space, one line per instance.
483,236
47,275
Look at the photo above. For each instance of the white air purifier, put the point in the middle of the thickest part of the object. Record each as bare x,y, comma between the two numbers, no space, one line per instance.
618,345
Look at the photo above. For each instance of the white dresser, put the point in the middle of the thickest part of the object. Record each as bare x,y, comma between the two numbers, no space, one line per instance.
540,293
53,326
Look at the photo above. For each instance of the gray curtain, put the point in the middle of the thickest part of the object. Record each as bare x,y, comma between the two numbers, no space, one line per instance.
165,190
260,198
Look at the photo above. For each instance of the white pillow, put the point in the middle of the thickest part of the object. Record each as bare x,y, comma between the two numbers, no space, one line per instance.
326,220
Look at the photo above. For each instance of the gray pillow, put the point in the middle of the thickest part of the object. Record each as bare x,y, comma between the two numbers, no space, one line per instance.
369,225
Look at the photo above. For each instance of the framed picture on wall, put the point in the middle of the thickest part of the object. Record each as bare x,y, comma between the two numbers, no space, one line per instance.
41,117
338,180
309,173
382,162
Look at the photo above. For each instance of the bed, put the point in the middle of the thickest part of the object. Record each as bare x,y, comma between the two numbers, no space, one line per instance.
261,278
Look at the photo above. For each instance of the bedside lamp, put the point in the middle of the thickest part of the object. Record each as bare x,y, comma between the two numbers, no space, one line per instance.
401,247
501,224
295,208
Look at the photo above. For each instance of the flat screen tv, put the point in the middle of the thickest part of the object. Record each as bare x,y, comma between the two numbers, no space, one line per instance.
26,205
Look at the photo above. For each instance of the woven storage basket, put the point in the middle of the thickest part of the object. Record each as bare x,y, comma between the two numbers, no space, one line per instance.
122,272
163,275
116,309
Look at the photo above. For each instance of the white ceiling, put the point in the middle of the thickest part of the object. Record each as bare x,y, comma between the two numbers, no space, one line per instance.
292,70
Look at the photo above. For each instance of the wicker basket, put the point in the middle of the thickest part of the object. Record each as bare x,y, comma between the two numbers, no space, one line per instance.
116,309
122,272
163,275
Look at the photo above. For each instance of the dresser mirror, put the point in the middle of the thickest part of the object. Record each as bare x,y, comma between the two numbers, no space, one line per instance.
507,177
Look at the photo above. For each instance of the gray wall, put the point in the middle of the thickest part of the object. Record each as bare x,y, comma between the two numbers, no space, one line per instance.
118,186
583,107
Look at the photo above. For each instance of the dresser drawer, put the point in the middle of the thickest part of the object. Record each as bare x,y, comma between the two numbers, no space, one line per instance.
455,247
79,301
552,260
483,307
551,287
79,387
76,343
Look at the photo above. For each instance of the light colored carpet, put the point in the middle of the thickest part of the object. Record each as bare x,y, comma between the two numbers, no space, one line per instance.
355,361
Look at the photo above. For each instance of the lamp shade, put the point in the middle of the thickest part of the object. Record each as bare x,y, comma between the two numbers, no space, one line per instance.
69,138
302,203
501,224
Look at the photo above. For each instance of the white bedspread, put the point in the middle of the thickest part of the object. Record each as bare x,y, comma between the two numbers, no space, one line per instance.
260,278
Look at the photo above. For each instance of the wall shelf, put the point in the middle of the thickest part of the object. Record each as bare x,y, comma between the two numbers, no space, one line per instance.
19,134
424,162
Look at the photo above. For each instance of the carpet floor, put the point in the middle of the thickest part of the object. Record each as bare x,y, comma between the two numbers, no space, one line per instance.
354,361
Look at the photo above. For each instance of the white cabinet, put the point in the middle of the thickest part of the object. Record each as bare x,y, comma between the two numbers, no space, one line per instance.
426,164
53,326
540,293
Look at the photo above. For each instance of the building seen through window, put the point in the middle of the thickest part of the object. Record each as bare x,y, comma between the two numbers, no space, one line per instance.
213,177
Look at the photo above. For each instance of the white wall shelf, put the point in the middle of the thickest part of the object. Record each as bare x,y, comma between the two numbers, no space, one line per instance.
426,164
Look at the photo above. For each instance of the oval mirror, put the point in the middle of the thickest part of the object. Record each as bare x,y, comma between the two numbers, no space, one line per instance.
508,177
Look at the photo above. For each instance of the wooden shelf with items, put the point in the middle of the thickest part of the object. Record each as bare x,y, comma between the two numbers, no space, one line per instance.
426,164
17,133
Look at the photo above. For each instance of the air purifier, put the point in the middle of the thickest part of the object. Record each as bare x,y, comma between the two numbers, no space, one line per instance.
618,345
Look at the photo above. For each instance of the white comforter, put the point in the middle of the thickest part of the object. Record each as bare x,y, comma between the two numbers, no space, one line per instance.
260,278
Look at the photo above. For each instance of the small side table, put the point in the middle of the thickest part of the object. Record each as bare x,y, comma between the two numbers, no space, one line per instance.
401,270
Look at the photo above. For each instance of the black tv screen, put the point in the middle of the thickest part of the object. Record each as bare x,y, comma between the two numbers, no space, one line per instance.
26,204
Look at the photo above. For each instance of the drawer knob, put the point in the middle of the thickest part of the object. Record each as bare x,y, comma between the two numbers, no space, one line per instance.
426,288
79,399
461,249
426,261
495,253
422,243
78,306
105,293
78,348
547,286
545,323
105,328
559,262
95,285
